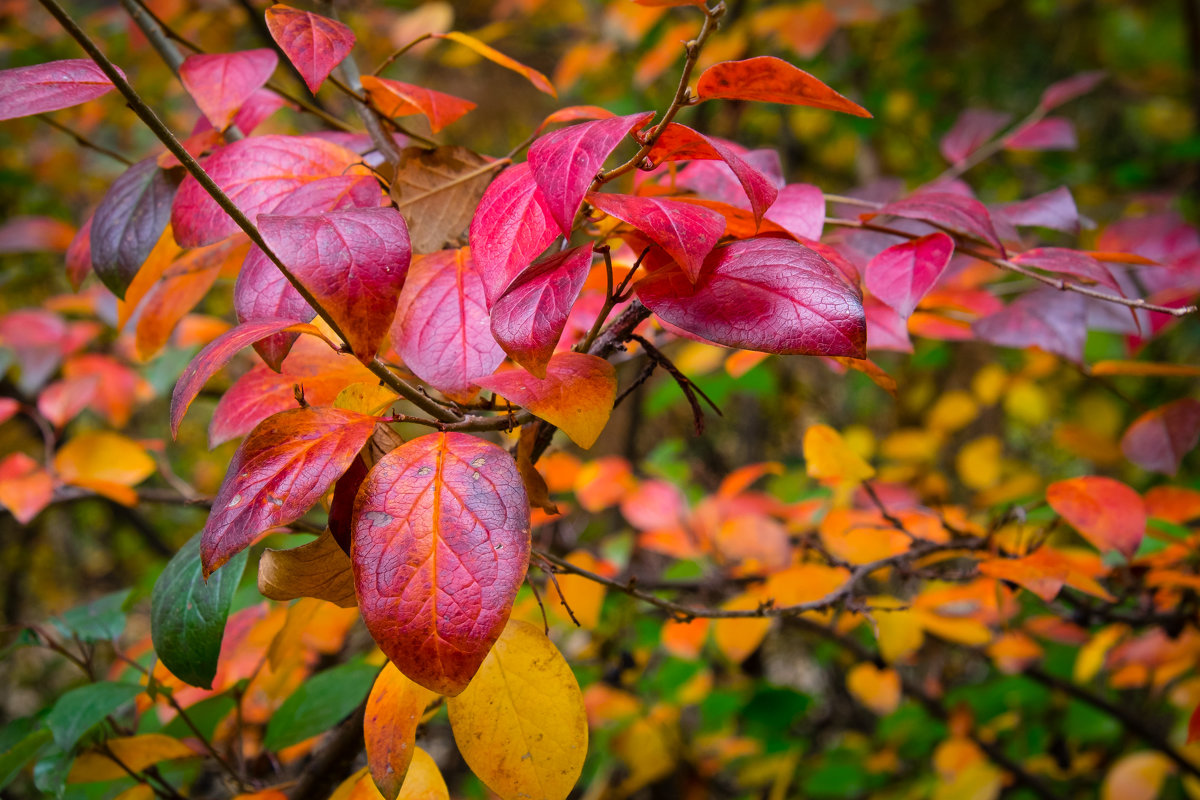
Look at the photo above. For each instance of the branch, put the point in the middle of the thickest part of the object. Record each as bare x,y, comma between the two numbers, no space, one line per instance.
83,141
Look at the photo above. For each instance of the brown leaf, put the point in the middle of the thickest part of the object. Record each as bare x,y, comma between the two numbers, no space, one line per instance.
437,191
535,484
317,569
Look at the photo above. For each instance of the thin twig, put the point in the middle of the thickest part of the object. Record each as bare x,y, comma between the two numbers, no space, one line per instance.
83,141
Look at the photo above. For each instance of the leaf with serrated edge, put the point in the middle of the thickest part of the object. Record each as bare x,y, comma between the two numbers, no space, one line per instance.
394,709
221,82
314,44
280,471
766,79
521,724
687,232
511,227
319,569
576,395
36,89
441,545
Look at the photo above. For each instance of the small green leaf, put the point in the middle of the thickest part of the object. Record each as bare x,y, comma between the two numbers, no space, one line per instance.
24,751
98,621
187,614
50,774
319,704
80,709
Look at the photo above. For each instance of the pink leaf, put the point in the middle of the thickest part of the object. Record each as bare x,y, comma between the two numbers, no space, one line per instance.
216,354
314,44
262,292
511,227
221,82
886,330
973,128
565,161
1054,209
1159,439
442,330
771,295
1047,318
681,143
960,214
529,318
904,273
800,210
26,91
1069,262
1051,133
261,104
354,263
687,232
256,173
1065,90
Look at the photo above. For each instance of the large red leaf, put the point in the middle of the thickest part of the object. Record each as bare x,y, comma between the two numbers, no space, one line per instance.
1159,439
771,80
256,173
396,99
511,227
441,545
576,395
262,291
442,330
687,232
354,262
565,161
25,91
314,44
221,82
904,273
1106,512
529,318
971,130
960,214
129,222
216,354
772,295
279,473
681,143
1052,320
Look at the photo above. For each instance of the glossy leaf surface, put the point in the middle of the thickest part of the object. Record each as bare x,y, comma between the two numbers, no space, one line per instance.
511,228
313,43
904,273
25,91
767,79
687,232
441,545
221,82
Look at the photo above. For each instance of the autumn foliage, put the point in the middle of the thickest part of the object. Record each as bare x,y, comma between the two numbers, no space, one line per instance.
443,393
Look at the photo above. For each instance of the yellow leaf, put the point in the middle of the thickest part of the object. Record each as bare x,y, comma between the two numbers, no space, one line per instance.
135,752
898,629
877,689
979,462
346,788
989,383
649,748
520,724
540,81
1028,402
142,791
318,569
830,460
980,781
964,630
1091,656
365,398
738,637
393,712
424,781
1137,776
584,596
953,410
97,458
914,445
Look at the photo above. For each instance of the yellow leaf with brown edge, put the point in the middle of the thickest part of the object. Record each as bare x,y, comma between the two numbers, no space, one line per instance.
520,724
135,752
394,710
365,398
100,460
319,569
830,460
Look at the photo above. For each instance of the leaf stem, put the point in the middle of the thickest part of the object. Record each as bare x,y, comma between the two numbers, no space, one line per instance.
83,141
387,62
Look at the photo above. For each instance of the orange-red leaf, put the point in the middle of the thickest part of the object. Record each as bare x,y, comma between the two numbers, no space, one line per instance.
394,709
771,80
25,487
396,99
1106,512
314,44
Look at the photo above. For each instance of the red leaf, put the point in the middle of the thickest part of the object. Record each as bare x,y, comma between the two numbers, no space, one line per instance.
279,473
396,99
886,330
119,387
963,215
221,82
214,356
771,295
442,330
261,391
79,255
8,408
129,222
771,80
904,273
25,487
1052,320
1159,439
576,395
799,209
1069,262
687,232
1066,90
1106,512
971,130
314,44
62,401
354,263
681,143
1193,734
1054,209
565,161
262,291
1052,133
529,318
511,227
26,91
261,104
441,545
256,174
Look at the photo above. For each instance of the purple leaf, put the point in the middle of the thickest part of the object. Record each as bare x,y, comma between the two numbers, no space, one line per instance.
1159,439
1062,261
960,214
1047,318
1054,209
973,128
26,91
1051,133
130,220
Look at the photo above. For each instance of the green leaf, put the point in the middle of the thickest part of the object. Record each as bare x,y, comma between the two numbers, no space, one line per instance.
99,621
319,704
50,774
24,751
187,615
80,709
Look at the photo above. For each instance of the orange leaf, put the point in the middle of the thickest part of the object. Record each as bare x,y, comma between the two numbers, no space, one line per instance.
101,458
134,752
1145,369
540,81
830,460
771,80
25,488
877,689
1173,504
396,99
1106,512
394,709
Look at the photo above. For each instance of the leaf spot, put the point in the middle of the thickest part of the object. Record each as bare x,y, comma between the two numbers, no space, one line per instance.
478,462
236,501
424,471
